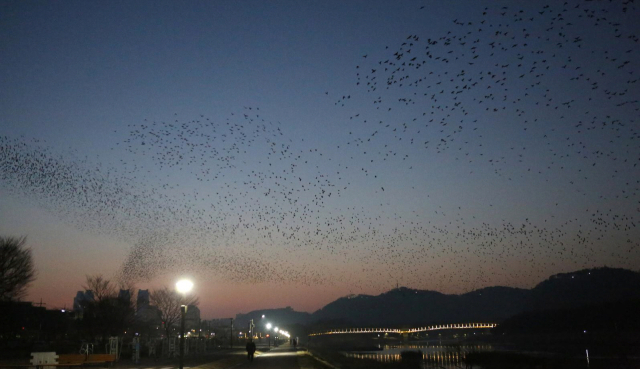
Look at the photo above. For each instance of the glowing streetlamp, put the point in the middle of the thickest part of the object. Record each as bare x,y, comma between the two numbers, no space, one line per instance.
183,286
268,326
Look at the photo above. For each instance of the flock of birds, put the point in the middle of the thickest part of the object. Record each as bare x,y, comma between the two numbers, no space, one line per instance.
546,93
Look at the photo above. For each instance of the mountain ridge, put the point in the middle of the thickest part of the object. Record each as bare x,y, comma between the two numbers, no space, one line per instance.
404,307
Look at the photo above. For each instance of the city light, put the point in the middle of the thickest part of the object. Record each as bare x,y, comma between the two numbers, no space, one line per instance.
268,326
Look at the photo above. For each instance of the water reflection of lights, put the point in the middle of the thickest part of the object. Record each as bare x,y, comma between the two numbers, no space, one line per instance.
440,354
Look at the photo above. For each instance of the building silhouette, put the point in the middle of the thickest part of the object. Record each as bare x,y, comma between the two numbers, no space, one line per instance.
192,319
125,296
80,301
143,299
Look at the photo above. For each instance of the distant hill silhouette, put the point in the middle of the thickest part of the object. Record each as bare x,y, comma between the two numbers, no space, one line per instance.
408,307
619,316
585,287
284,316
405,307
396,307
494,304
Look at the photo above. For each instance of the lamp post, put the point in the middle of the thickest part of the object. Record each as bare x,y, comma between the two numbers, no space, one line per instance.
268,326
183,286
275,338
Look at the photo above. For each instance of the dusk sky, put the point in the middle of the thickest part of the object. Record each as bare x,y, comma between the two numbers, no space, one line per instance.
288,153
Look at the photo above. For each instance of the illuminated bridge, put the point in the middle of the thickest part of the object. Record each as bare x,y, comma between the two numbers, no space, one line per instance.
436,327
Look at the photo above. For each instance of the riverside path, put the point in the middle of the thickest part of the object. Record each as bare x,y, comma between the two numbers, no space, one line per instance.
282,357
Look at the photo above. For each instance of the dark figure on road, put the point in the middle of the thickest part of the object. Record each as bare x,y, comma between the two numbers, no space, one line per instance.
251,349
295,343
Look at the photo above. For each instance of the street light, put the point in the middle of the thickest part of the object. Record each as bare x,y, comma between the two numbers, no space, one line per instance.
275,338
268,326
183,286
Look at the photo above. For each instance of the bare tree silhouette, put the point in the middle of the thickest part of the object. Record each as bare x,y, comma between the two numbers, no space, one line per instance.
16,268
101,287
168,302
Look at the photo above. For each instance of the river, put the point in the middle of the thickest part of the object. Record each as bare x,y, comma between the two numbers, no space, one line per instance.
443,356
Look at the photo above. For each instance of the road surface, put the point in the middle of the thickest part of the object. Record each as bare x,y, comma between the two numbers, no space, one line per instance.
283,357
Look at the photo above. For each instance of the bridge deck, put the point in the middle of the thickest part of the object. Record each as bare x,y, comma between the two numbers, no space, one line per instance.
406,331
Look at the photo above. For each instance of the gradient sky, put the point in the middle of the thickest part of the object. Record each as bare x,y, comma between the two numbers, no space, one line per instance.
288,153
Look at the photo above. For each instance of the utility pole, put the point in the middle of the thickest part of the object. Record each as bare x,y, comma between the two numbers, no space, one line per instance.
183,313
40,327
231,335
251,326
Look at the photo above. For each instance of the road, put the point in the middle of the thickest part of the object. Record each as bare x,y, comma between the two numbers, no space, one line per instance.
283,357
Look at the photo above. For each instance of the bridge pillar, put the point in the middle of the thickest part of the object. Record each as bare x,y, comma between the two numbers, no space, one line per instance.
405,338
